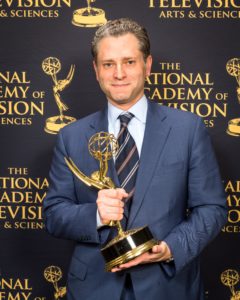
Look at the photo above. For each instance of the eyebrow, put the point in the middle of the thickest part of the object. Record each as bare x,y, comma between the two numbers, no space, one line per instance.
113,60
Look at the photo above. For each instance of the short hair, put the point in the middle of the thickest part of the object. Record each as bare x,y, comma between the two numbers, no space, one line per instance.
121,27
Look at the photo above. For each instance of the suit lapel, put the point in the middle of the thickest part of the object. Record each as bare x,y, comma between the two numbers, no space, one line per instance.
155,136
100,123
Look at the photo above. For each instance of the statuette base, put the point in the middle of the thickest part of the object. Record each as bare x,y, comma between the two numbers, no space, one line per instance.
127,246
84,17
54,124
234,127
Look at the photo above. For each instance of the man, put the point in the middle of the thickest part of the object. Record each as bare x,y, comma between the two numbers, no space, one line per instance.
175,187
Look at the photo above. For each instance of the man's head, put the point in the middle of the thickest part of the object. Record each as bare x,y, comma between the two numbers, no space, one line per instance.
122,60
119,27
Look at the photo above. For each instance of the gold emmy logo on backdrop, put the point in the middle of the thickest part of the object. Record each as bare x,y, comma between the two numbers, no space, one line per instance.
233,69
51,66
126,245
230,278
89,16
53,274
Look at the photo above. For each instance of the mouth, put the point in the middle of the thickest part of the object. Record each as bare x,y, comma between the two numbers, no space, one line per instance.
120,85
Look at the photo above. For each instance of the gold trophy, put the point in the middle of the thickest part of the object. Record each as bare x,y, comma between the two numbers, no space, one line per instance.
89,16
233,69
53,274
127,244
230,278
51,66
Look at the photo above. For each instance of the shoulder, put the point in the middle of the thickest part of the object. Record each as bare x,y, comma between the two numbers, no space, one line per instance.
76,132
184,125
175,117
80,125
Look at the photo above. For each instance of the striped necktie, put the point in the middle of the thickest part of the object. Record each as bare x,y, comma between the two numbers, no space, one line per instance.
127,159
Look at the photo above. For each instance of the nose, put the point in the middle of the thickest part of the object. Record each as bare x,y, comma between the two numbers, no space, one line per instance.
119,72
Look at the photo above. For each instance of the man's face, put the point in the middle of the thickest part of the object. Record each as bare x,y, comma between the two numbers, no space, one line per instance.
121,70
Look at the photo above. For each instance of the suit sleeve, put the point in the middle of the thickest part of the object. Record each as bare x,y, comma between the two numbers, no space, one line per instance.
64,216
206,204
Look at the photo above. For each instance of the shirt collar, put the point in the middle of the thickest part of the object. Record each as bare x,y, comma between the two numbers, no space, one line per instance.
139,110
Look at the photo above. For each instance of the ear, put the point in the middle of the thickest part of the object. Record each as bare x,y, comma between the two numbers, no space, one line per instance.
148,65
95,69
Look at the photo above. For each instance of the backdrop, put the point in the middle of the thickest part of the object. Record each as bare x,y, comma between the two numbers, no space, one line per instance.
45,60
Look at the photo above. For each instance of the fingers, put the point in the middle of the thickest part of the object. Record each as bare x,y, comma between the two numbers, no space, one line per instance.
116,269
162,251
143,258
110,204
158,253
112,194
156,249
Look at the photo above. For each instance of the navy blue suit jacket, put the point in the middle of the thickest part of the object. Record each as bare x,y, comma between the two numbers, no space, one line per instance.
178,195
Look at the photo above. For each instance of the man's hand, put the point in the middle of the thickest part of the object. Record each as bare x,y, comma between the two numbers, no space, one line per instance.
110,205
158,253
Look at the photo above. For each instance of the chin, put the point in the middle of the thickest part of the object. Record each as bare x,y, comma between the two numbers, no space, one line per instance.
121,101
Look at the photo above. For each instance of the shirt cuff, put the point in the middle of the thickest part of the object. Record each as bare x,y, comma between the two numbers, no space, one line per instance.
99,223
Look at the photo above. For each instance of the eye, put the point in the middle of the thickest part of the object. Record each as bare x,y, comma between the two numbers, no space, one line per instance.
107,65
131,62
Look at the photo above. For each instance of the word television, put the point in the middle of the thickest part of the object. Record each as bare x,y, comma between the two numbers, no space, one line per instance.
194,3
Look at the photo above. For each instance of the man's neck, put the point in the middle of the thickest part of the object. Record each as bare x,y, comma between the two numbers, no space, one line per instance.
125,106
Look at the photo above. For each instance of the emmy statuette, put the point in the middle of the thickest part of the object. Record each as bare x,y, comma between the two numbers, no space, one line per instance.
89,16
53,274
233,69
127,244
231,278
51,66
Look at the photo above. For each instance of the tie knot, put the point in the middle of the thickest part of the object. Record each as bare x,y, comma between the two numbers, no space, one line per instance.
125,118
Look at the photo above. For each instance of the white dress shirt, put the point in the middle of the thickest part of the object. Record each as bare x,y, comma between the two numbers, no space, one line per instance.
136,126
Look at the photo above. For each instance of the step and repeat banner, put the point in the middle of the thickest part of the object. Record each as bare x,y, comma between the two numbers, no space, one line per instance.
47,81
